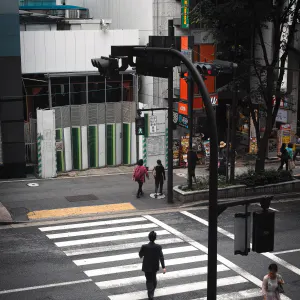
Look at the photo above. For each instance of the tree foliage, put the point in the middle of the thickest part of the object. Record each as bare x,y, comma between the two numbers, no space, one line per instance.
259,34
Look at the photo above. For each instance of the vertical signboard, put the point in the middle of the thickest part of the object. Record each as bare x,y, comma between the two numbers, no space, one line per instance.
185,13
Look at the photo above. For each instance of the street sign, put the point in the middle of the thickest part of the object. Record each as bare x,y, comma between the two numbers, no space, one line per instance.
153,124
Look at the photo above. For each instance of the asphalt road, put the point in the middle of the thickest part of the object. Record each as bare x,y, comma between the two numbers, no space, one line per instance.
20,199
89,260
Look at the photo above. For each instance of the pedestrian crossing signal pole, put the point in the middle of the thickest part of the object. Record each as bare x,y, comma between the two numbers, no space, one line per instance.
170,123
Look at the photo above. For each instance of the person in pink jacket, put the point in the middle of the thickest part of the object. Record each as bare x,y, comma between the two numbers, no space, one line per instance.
139,173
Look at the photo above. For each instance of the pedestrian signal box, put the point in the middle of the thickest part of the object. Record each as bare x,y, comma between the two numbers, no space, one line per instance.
263,231
140,126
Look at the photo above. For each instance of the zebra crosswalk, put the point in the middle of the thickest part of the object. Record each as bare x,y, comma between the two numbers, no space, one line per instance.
107,252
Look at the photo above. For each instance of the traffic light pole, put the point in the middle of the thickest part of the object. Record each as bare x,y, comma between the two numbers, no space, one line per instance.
191,124
213,174
170,123
233,129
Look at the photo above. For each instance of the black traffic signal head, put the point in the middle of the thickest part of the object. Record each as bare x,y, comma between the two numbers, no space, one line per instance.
207,69
106,66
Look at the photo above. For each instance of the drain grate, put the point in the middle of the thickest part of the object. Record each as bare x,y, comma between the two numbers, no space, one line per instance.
78,198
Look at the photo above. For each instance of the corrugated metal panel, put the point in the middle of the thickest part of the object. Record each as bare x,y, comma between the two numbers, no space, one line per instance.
110,112
75,115
118,112
65,111
58,120
101,113
83,115
133,111
69,51
93,113
126,112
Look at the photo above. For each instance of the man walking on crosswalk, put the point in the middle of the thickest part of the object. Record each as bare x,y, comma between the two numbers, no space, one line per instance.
152,254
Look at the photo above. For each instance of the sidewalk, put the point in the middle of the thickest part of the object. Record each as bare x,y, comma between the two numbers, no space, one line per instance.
122,170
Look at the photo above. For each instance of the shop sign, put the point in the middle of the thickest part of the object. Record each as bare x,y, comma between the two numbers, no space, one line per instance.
198,102
285,127
153,124
281,116
183,108
284,103
183,121
180,120
185,22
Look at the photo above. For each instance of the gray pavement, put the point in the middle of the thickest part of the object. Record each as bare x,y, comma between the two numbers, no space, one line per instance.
98,259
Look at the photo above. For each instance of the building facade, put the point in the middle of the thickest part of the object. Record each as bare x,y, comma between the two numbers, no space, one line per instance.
12,149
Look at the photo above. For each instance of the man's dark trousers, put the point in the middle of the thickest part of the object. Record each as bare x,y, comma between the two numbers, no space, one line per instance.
151,283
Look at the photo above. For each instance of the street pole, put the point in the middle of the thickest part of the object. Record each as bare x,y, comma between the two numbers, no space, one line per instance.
170,123
234,117
228,140
233,129
191,123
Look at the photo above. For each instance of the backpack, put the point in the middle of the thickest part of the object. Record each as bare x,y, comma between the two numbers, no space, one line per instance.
139,173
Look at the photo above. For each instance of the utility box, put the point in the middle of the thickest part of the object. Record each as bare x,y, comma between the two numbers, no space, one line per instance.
242,233
263,231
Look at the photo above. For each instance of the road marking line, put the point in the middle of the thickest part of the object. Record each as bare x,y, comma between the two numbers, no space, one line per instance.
201,247
118,247
109,238
137,267
109,284
92,224
237,295
98,231
82,210
270,255
38,287
182,288
286,251
135,255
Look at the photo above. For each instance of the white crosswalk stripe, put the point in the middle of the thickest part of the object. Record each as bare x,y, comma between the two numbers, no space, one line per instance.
170,275
98,231
117,247
111,260
107,239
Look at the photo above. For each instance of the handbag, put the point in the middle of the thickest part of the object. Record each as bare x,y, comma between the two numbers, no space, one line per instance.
291,165
280,287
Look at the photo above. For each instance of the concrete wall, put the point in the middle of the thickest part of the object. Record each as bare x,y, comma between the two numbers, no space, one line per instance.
69,51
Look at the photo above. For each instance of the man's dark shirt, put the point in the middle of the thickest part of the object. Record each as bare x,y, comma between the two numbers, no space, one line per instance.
152,254
160,172
192,159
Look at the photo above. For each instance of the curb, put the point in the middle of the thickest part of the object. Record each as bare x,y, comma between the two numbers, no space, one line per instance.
280,197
